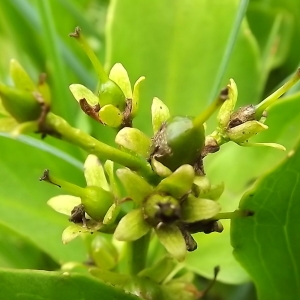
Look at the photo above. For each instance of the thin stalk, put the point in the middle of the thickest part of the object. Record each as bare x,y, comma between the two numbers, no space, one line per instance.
77,137
262,106
233,215
102,76
137,254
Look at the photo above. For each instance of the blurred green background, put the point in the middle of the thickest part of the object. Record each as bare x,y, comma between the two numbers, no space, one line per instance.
187,50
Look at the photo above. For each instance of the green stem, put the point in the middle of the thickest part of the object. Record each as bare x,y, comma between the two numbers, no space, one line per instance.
93,146
233,215
262,106
103,77
137,254
71,188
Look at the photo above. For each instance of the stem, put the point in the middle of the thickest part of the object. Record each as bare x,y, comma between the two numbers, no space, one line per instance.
103,77
201,118
261,107
137,254
71,188
233,215
93,146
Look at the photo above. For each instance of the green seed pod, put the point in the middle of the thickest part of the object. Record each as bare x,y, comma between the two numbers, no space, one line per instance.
178,142
96,202
21,105
103,253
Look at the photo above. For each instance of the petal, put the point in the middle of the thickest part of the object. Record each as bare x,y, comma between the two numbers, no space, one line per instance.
134,140
171,238
120,76
7,124
160,169
132,226
111,116
228,106
64,203
94,172
203,183
136,97
160,114
74,230
111,214
136,187
195,209
178,183
215,192
20,77
243,132
113,182
80,92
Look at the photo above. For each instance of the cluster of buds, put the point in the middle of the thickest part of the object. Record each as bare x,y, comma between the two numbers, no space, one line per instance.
162,178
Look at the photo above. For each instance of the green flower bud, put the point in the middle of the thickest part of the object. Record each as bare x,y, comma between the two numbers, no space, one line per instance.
134,140
103,253
161,209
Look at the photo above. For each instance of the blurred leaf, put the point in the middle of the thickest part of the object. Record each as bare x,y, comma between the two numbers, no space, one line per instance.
268,244
36,285
23,198
179,48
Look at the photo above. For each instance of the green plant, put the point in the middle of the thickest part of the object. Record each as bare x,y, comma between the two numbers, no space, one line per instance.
150,197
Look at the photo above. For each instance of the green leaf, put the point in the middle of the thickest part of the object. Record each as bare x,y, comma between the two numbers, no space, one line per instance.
267,244
23,199
37,285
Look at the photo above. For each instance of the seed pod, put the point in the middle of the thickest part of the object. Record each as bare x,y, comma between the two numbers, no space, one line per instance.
178,142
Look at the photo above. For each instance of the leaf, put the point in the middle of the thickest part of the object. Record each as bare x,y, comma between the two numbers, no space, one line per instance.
42,285
23,199
267,244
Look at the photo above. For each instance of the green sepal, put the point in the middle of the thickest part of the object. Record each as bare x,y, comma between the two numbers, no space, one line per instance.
64,203
111,214
132,226
21,105
103,252
136,97
160,114
178,183
96,202
111,116
203,183
171,238
134,140
74,230
94,172
22,80
160,270
228,106
44,90
113,181
120,76
214,193
160,169
7,124
80,92
136,187
196,209
243,132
